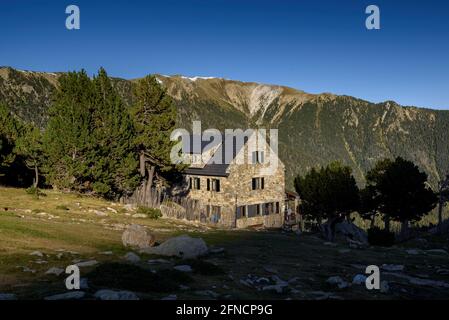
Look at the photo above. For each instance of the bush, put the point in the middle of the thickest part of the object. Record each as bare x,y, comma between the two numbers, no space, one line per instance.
380,237
35,192
152,213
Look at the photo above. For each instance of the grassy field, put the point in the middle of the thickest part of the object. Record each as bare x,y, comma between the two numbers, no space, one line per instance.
67,228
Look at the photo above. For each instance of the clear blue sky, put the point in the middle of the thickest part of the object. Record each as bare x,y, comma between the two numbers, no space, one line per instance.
316,46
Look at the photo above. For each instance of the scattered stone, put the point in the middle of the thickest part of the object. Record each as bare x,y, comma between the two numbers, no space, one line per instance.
437,251
343,251
137,236
420,282
270,269
183,268
384,287
129,207
115,295
443,271
293,280
89,263
40,261
392,267
37,253
112,210
139,216
59,255
216,250
353,244
208,293
183,246
73,295
132,257
330,244
157,261
337,281
183,287
106,253
413,251
275,287
56,271
170,297
359,279
7,296
26,269
84,284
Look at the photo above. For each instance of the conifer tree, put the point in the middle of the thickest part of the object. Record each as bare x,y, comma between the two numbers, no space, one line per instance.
154,116
9,131
29,146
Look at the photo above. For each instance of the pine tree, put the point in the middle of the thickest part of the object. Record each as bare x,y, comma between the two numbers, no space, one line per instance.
29,146
10,127
113,160
68,136
328,193
154,116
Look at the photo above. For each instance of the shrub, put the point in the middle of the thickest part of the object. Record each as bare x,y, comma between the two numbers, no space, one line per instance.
35,192
380,237
152,213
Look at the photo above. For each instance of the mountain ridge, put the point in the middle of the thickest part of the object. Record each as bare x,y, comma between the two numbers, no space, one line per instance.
314,129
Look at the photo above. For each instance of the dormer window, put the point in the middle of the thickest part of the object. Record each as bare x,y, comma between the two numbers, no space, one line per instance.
258,157
258,183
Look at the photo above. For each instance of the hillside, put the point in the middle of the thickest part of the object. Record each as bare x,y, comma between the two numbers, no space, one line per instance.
313,129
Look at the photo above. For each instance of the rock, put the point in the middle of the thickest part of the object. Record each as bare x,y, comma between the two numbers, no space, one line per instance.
443,271
419,281
115,295
270,269
384,287
137,236
129,207
73,295
157,261
337,281
84,285
55,271
40,261
37,254
437,251
112,210
139,215
392,267
7,296
89,263
170,297
207,293
26,269
183,287
99,213
353,244
351,232
343,251
330,244
106,253
359,279
216,250
413,251
182,246
132,257
183,268
275,287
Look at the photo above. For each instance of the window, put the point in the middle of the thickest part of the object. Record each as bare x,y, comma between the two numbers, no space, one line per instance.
241,212
252,210
258,157
195,183
216,214
258,183
258,209
277,208
216,185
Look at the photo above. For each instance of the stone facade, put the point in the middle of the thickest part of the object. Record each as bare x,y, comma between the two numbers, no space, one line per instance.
240,201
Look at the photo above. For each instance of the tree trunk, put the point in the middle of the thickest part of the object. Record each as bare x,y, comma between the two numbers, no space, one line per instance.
36,176
373,221
142,164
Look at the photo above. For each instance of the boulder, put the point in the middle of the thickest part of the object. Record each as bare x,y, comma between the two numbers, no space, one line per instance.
183,268
337,281
137,236
74,295
132,257
182,246
88,263
56,271
352,232
115,295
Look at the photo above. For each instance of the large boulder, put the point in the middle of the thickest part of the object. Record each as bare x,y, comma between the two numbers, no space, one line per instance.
137,236
351,232
182,246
